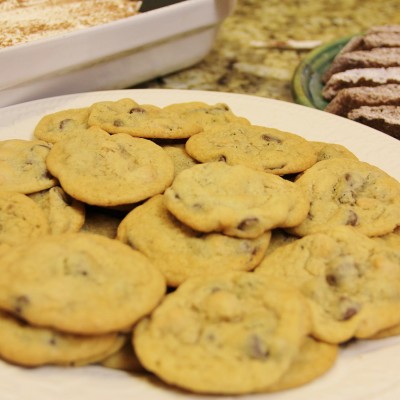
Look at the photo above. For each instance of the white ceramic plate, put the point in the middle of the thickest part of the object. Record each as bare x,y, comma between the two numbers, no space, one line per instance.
364,369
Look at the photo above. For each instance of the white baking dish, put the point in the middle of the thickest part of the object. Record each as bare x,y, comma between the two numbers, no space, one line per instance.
114,55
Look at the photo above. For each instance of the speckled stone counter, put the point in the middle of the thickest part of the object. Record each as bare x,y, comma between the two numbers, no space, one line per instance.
247,56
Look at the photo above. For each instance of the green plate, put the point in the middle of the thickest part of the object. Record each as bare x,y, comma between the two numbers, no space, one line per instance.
306,82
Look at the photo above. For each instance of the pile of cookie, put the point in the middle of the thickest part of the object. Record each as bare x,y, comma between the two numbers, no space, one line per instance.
188,243
363,81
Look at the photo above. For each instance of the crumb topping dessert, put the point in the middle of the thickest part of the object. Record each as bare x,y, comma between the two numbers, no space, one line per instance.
23,21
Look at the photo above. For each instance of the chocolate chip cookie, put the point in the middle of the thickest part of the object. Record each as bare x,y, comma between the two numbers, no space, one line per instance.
231,333
109,170
23,166
61,124
140,120
352,282
32,346
349,192
235,200
258,147
79,283
181,252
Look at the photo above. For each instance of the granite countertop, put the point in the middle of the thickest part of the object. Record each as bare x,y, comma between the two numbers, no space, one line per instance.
247,57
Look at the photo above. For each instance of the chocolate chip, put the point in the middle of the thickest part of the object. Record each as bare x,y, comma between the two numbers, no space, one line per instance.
210,337
52,341
217,110
255,251
137,110
352,218
10,208
269,138
118,122
348,197
248,223
349,313
348,308
123,152
64,123
220,107
20,303
257,348
331,279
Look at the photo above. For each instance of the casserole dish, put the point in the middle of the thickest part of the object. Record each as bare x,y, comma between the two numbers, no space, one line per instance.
169,35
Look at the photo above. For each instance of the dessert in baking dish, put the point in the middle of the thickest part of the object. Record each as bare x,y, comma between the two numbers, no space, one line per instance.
23,21
362,82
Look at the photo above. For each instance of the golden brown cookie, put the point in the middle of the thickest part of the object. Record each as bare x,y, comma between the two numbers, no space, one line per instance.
352,283
32,346
349,192
23,166
257,147
231,333
140,120
20,219
180,252
79,283
109,170
61,124
235,200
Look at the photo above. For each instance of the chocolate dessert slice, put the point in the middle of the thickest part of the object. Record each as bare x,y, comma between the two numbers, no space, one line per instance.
351,98
375,58
360,77
383,118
